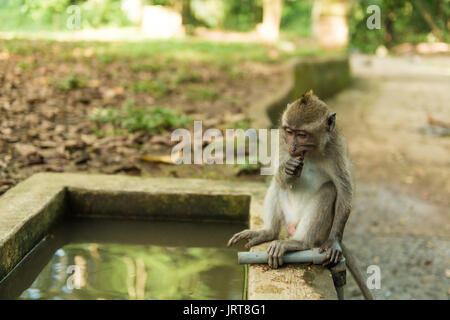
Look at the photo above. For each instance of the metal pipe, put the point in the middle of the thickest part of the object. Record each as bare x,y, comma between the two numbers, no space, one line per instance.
306,256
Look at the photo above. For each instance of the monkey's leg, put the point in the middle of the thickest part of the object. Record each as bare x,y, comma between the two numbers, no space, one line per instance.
272,221
312,229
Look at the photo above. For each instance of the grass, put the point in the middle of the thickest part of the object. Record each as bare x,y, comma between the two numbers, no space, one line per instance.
201,93
131,118
147,67
186,76
188,49
71,82
156,88
26,66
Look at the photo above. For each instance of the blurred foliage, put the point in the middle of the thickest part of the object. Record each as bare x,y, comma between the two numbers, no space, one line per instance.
401,21
31,15
296,17
71,82
148,119
103,13
239,15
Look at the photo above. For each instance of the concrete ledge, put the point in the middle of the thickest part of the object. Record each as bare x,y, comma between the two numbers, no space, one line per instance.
28,210
326,76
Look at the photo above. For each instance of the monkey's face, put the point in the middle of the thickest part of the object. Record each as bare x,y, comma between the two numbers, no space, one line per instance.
298,141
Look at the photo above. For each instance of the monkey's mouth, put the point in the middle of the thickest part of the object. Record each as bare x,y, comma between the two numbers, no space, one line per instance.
300,153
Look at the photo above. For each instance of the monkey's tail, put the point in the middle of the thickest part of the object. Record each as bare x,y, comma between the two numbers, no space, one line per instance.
353,266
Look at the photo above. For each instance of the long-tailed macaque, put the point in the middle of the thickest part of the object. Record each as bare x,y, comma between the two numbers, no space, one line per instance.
311,192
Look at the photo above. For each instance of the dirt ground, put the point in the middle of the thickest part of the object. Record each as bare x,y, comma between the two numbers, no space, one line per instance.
401,216
49,90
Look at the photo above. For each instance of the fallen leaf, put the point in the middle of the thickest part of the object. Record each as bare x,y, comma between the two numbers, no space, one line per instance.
166,159
25,149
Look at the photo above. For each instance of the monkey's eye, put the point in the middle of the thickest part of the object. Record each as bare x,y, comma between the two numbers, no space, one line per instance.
301,134
288,131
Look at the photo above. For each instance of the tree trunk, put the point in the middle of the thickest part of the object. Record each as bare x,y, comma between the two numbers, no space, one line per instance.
329,23
133,10
270,27
429,20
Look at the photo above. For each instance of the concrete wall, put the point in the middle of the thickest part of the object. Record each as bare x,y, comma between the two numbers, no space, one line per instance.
325,76
28,210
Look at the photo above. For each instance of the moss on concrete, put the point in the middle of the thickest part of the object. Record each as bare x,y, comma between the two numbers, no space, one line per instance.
325,76
29,230
160,206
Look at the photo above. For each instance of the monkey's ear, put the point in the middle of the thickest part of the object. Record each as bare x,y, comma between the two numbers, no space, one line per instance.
331,121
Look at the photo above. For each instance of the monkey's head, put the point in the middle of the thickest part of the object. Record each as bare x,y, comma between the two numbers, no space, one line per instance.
307,125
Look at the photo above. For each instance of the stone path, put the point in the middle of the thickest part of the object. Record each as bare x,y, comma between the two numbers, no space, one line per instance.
401,216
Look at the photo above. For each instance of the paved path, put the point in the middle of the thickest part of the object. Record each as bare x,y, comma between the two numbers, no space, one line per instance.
401,216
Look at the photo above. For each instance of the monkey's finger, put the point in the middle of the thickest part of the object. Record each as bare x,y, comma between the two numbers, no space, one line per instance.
327,259
270,260
274,261
290,166
280,257
252,242
270,250
270,256
275,251
238,237
289,170
233,240
337,256
326,262
332,255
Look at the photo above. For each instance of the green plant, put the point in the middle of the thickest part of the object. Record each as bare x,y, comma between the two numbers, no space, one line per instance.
156,88
201,93
26,66
242,124
151,67
183,76
148,119
71,82
401,21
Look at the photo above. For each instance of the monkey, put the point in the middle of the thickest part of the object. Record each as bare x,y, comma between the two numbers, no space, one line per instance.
311,191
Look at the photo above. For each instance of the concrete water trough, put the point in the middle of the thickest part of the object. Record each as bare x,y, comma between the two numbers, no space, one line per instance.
32,211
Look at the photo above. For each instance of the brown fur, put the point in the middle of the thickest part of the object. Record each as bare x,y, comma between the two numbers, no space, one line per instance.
308,109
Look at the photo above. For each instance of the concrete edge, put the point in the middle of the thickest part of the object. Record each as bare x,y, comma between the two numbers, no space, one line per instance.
302,74
28,210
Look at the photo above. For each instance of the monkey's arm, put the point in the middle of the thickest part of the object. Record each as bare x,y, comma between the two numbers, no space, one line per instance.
343,204
272,222
342,207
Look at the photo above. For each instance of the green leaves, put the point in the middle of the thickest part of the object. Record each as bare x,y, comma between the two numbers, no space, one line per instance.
148,119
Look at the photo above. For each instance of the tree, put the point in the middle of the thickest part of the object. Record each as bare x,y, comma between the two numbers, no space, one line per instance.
269,29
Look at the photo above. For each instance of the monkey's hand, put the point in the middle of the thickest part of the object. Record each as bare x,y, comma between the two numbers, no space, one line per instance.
293,166
253,237
275,253
333,250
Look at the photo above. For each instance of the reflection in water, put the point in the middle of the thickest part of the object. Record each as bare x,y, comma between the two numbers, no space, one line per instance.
124,271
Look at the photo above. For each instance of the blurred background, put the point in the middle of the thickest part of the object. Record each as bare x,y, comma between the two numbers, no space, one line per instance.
99,85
